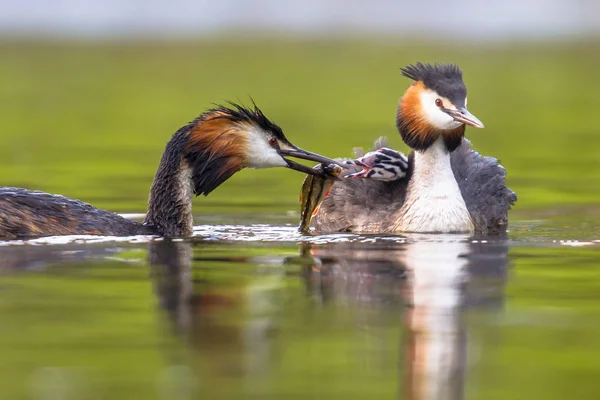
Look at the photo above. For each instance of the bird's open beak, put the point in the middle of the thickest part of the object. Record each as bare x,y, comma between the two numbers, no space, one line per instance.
296,152
463,115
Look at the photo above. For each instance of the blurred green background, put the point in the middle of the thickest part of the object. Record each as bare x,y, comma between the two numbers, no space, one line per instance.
90,120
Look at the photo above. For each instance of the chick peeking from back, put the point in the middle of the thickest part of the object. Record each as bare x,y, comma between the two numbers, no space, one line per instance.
380,164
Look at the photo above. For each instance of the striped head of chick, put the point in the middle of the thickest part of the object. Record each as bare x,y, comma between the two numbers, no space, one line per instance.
226,139
434,106
380,164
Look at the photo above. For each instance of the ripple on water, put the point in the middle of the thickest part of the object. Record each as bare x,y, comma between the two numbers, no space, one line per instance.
287,234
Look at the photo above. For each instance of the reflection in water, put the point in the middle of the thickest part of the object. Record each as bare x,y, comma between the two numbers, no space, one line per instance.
435,340
221,323
39,258
171,264
445,275
430,280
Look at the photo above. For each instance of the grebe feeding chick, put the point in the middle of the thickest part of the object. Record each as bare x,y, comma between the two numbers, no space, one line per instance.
199,157
443,186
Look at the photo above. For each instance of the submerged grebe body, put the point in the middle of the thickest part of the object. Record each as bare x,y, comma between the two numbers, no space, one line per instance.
199,157
445,186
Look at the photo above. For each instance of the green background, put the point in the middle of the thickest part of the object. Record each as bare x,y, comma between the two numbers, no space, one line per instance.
90,120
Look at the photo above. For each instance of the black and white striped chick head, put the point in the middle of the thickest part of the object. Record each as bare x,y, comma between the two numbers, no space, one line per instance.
381,164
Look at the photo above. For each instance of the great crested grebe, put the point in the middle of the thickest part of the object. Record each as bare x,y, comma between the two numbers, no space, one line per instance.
443,186
199,157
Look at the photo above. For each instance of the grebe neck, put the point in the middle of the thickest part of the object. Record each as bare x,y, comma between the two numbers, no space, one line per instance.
433,202
170,202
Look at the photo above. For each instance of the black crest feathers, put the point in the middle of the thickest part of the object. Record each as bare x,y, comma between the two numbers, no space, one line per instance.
239,113
429,72
445,79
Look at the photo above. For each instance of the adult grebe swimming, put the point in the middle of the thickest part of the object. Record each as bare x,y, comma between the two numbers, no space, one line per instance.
443,186
199,157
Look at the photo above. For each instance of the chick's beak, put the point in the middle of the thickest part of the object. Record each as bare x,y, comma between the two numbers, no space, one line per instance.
463,115
293,151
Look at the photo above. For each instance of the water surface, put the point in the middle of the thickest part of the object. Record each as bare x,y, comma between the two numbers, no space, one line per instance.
259,311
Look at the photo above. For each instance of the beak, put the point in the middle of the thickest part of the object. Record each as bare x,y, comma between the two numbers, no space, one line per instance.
463,115
293,151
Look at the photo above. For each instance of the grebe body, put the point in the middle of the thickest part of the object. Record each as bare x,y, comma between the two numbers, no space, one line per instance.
199,157
444,187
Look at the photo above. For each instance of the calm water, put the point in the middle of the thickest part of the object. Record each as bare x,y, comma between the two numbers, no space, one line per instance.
258,311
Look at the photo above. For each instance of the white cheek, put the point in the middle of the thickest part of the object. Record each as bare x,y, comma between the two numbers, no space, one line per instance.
434,115
260,154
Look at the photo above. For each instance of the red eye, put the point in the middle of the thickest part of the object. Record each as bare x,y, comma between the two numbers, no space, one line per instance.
439,102
273,142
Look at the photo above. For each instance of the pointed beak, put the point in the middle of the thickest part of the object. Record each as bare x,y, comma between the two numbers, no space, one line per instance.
293,151
463,115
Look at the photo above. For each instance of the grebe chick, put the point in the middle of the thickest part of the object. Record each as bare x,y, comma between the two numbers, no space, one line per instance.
447,187
199,157
381,164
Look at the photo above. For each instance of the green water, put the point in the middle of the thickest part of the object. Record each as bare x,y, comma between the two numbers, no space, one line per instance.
249,308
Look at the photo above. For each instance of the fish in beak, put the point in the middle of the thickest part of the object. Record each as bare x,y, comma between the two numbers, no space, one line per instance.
315,189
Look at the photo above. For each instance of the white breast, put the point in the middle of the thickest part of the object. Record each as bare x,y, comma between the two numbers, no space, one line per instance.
433,200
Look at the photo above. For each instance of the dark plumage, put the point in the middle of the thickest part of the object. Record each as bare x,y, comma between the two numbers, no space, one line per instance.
27,213
482,183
